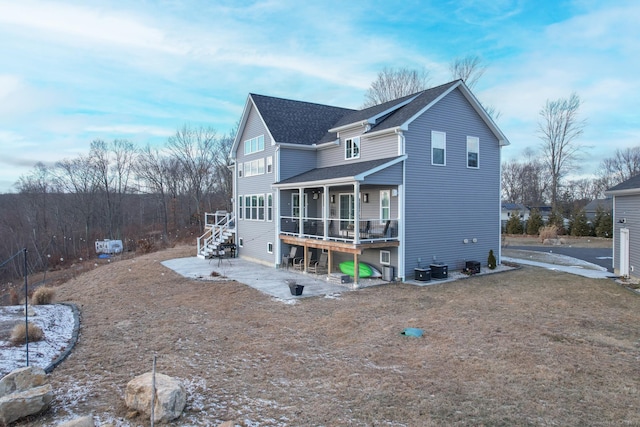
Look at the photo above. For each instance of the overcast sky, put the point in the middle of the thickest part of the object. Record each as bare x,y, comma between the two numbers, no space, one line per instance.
75,71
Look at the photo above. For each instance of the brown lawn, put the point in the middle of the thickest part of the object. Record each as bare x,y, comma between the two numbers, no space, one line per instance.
525,347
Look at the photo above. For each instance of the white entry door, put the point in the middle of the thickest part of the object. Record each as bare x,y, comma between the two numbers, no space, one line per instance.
624,251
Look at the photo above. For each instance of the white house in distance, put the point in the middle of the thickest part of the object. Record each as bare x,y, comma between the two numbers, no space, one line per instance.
405,184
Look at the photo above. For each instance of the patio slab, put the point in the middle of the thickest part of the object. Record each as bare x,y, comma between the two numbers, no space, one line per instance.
266,279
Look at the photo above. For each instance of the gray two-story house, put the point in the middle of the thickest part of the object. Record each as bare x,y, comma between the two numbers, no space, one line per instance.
404,184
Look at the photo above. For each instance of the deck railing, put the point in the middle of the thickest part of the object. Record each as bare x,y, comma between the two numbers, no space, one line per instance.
371,229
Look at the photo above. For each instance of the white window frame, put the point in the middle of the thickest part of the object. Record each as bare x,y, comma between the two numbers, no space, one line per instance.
269,247
269,164
240,166
296,206
254,205
241,242
269,207
254,145
240,207
352,148
254,167
439,142
383,217
385,257
473,142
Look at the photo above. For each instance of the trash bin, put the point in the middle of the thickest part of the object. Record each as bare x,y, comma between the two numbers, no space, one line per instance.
439,270
422,274
388,273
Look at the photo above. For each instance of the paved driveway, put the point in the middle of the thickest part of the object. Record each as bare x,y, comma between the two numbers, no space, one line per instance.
600,256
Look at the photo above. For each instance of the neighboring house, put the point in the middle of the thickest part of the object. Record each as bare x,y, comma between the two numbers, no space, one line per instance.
403,184
509,209
592,207
626,227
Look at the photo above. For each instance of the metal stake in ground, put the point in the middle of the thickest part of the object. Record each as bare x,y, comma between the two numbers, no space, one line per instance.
26,306
153,390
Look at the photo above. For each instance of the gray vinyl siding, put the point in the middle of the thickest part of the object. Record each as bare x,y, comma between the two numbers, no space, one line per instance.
446,204
370,149
390,175
255,234
295,161
627,207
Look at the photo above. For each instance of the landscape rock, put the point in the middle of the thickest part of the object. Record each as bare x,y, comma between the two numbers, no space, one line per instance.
24,392
79,422
171,396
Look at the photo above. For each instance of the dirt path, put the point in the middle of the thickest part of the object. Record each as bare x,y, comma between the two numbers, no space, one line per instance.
519,348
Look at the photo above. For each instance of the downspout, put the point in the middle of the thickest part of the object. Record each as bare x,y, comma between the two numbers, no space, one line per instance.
500,209
401,209
276,206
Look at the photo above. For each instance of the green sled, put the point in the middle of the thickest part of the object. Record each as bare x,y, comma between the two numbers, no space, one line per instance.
364,270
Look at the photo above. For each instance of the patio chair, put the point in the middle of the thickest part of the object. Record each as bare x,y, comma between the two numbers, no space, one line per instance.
294,253
320,266
298,263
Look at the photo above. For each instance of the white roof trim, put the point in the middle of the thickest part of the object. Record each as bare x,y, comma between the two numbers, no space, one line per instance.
360,123
362,176
243,122
340,180
625,192
502,139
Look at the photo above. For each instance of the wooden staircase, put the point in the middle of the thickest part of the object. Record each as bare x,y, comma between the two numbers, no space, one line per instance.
219,234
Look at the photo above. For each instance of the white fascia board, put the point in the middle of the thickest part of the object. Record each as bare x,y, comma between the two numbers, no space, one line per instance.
627,192
243,122
363,175
361,123
383,131
296,146
326,145
318,183
502,139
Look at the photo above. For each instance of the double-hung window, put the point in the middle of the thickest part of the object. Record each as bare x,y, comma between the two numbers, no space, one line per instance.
438,148
352,148
473,152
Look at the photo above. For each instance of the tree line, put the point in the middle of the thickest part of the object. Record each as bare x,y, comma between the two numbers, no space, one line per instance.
141,195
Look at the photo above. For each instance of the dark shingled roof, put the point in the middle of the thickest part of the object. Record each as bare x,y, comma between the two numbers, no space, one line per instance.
306,123
297,122
340,171
629,184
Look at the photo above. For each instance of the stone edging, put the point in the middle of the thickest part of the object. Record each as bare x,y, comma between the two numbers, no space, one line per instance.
72,343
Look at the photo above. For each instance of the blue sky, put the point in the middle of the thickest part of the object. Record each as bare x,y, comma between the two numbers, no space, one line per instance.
74,71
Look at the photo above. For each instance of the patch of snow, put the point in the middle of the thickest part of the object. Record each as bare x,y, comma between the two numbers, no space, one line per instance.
56,322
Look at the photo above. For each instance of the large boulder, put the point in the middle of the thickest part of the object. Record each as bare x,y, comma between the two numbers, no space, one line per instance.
171,396
23,392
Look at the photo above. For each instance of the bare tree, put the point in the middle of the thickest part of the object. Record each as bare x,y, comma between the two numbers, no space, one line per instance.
623,165
154,170
113,164
559,129
394,83
524,182
196,149
77,178
469,69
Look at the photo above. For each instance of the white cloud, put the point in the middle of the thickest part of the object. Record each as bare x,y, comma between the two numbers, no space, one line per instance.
81,24
124,129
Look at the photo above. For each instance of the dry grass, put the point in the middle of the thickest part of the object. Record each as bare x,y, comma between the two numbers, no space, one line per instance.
19,333
527,347
548,232
43,295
